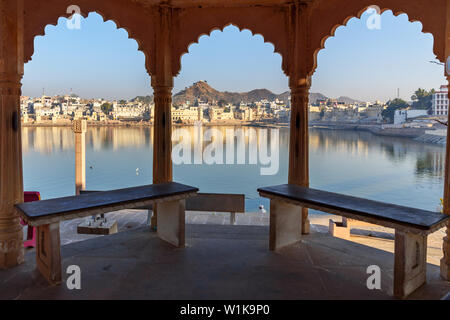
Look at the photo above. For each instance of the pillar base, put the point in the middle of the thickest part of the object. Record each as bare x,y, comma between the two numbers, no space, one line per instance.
11,259
11,251
154,219
445,270
305,226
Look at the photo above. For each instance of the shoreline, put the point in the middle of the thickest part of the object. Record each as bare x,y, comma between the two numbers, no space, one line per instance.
417,134
422,135
376,129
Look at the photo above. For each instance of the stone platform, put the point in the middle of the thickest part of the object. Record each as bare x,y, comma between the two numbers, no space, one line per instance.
219,262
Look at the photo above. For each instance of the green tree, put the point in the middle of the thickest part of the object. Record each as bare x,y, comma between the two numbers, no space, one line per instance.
222,103
422,99
106,108
322,113
393,105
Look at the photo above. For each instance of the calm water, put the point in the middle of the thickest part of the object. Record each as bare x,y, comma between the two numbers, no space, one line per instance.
394,170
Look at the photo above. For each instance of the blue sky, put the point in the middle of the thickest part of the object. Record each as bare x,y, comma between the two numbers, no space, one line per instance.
100,61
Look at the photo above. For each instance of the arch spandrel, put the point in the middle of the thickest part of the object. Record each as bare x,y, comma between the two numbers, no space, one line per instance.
129,16
269,22
327,16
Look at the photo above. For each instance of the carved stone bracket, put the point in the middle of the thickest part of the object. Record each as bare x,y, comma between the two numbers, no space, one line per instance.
79,126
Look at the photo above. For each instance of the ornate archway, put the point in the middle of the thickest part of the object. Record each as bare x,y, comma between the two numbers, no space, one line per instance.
164,30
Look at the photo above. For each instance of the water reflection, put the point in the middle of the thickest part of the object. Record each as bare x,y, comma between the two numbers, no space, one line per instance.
431,164
390,169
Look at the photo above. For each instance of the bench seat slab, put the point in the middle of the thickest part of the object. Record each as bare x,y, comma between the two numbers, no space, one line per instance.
384,214
171,222
285,224
410,262
48,253
54,210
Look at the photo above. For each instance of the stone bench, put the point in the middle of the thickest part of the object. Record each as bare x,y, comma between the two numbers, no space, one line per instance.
411,226
208,202
46,215
218,202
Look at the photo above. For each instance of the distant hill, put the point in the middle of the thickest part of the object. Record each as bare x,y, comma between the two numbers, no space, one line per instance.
348,100
313,97
201,90
144,99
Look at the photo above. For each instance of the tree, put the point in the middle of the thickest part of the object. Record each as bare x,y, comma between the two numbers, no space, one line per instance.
106,108
222,103
393,105
422,99
322,113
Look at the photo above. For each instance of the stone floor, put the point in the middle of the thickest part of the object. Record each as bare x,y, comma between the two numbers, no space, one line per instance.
132,219
219,262
377,237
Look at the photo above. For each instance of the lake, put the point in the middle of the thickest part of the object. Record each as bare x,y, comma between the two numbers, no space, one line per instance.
396,170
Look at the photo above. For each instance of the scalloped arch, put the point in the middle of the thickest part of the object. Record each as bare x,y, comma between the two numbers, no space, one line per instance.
221,28
358,16
51,19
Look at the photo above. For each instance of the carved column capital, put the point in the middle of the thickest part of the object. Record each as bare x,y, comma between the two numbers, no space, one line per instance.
300,95
79,126
162,95
10,86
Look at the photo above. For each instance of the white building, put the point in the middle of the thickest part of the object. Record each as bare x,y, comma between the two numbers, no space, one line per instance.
128,111
219,114
190,114
401,116
440,102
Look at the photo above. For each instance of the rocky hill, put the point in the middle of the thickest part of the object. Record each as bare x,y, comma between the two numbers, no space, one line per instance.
201,90
348,100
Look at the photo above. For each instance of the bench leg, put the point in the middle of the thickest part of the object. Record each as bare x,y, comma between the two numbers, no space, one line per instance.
285,224
154,218
305,221
339,229
48,253
410,267
171,222
232,218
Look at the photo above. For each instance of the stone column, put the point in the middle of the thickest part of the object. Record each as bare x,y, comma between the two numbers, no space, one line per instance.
79,128
299,140
162,83
445,261
162,138
11,178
